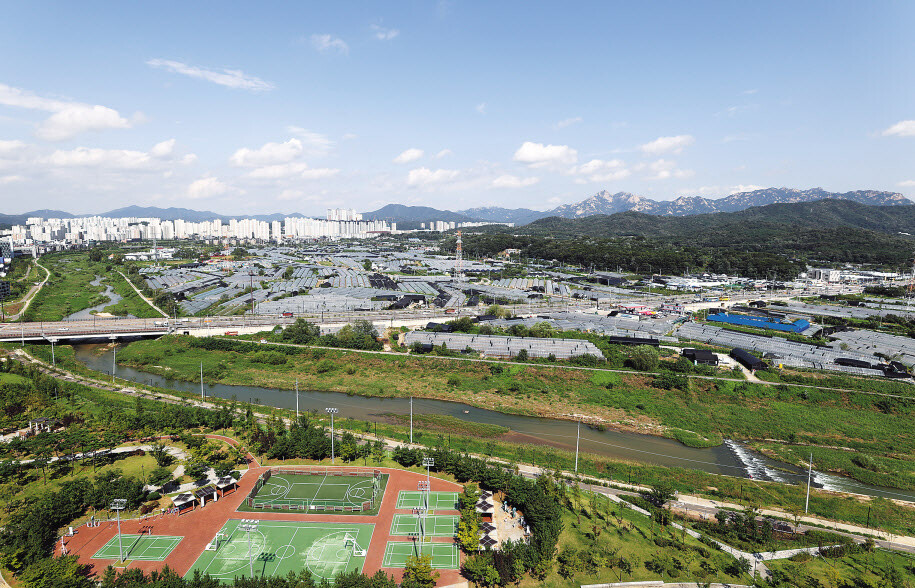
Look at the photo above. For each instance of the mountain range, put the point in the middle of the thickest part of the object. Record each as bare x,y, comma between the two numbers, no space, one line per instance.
602,203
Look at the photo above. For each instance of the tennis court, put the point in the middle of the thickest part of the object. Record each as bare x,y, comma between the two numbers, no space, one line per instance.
278,547
410,499
320,491
444,555
139,547
436,525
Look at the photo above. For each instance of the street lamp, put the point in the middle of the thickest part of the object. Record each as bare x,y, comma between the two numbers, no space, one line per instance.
331,412
428,462
117,505
249,525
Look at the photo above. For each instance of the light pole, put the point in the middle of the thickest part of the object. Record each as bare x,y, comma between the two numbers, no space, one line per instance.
331,412
577,439
249,525
411,420
117,505
428,462
296,400
202,395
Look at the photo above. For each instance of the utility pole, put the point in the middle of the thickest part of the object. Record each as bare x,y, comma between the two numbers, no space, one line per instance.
411,420
202,395
809,472
296,400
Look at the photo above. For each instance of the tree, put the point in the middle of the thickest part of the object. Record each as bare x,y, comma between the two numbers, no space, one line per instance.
196,469
480,570
418,573
159,453
660,494
301,332
644,358
367,265
160,477
56,572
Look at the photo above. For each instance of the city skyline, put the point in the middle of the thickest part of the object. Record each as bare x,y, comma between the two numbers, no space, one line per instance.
450,105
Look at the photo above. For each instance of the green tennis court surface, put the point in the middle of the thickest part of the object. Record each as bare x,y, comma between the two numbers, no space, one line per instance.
278,547
409,499
307,492
139,547
436,525
444,555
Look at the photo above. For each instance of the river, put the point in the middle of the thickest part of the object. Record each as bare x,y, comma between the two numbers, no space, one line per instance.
732,458
89,313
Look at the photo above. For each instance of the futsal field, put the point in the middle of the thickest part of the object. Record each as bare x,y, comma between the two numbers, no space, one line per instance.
278,547
444,555
410,499
139,547
316,492
436,525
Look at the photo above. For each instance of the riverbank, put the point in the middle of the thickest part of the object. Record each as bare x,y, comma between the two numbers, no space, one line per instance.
876,513
698,414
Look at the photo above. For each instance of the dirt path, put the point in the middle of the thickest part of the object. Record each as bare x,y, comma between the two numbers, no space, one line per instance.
30,296
145,299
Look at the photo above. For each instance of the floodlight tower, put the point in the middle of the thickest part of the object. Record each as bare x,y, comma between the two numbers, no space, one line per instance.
117,505
249,526
331,412
428,462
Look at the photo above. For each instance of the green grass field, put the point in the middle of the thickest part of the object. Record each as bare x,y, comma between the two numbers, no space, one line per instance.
435,525
317,492
280,547
444,555
410,499
139,547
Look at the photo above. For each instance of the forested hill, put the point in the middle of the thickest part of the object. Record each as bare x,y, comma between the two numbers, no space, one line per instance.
780,238
823,214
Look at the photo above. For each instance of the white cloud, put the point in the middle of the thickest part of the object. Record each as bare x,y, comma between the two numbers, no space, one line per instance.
12,149
290,195
667,145
326,43
125,159
567,122
750,92
744,188
423,177
509,181
11,179
69,118
663,169
409,155
904,128
206,188
314,142
268,154
554,200
540,155
290,170
598,170
906,184
383,34
481,108
230,78
163,149
443,153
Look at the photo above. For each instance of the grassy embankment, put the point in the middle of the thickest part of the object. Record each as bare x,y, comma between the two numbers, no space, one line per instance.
70,289
877,513
702,414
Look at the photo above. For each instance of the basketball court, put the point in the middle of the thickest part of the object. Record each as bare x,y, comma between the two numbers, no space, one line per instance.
274,548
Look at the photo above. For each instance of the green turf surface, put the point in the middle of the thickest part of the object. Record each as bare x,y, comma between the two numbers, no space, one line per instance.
444,555
435,525
139,547
316,493
278,547
409,499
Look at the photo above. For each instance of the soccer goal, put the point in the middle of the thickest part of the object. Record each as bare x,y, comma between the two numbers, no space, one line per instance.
218,540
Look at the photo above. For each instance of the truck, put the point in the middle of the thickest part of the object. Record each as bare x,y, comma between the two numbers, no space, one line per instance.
231,333
287,315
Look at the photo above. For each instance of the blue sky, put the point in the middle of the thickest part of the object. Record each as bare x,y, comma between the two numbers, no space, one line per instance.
295,107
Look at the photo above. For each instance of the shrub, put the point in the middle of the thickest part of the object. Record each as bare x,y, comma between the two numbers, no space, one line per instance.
644,358
269,357
153,496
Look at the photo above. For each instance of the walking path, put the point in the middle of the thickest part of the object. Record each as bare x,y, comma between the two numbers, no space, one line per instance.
885,540
30,296
145,299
